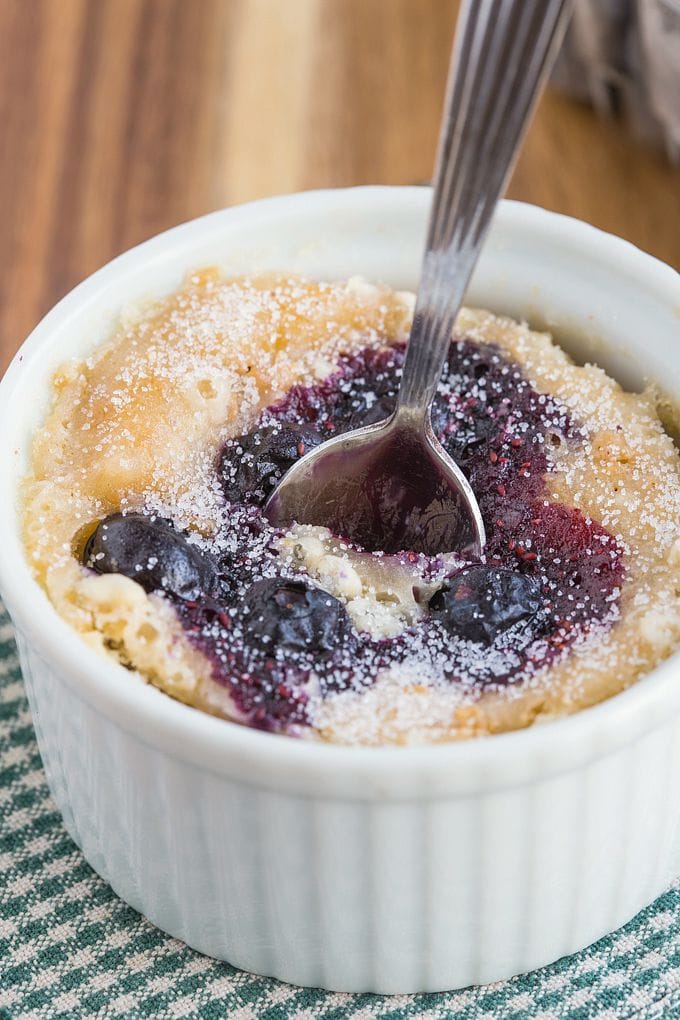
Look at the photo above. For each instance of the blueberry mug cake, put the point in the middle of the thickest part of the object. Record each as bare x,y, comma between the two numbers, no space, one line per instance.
144,518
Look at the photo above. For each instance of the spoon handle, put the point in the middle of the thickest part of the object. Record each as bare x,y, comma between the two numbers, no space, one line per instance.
501,55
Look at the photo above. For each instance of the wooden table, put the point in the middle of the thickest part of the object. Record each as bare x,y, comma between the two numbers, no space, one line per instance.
119,118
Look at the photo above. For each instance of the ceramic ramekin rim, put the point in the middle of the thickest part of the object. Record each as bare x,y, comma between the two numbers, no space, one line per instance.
279,761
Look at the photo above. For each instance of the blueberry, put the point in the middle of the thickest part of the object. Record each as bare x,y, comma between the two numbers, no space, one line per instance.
439,414
479,602
472,434
252,465
379,410
152,553
281,613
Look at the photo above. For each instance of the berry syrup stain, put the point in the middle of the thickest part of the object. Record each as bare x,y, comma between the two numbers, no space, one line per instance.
278,643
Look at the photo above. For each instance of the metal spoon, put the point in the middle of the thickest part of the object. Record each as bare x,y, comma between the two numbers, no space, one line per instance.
391,486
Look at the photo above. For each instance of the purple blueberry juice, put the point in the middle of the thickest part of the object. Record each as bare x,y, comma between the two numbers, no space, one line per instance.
280,643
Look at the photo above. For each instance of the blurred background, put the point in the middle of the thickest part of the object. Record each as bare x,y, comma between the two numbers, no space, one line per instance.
120,118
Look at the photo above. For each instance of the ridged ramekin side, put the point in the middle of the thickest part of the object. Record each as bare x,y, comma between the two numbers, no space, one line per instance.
353,894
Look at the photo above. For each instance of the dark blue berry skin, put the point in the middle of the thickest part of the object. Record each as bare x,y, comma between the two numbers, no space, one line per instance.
480,603
250,476
287,614
151,552
379,410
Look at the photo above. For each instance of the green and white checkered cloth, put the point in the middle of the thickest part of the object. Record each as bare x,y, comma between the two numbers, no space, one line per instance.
70,948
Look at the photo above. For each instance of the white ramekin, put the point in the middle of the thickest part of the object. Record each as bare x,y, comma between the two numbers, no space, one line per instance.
388,870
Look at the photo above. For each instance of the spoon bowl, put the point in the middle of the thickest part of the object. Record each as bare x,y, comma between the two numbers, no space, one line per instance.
389,486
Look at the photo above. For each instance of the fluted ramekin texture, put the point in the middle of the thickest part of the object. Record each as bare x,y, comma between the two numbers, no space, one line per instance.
389,869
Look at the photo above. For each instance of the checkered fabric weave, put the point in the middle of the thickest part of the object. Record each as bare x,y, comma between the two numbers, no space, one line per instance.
70,948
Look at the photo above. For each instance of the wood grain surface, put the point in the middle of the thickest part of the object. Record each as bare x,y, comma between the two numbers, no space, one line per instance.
119,118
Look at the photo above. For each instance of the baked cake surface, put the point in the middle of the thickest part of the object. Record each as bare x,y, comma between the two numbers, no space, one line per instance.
160,449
